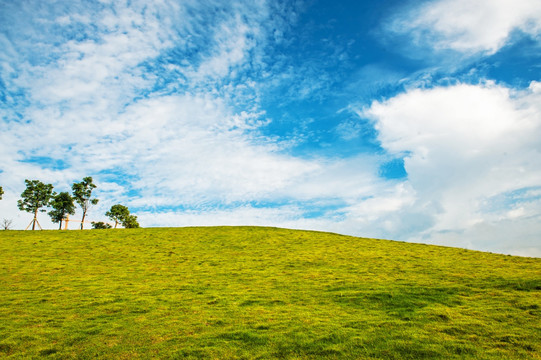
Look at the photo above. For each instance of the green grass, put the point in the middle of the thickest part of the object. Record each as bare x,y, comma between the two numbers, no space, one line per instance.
260,293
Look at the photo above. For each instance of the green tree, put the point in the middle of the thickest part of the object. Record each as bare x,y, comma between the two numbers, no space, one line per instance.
100,225
62,205
34,197
118,214
82,193
1,192
130,222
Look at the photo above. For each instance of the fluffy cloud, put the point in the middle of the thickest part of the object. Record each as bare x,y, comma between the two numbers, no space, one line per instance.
146,100
472,155
141,97
470,26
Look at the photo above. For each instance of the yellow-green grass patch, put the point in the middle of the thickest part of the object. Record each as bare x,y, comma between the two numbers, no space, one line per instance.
251,292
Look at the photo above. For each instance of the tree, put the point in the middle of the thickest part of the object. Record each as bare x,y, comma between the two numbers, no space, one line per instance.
1,192
130,222
118,214
6,224
36,196
82,193
62,205
100,225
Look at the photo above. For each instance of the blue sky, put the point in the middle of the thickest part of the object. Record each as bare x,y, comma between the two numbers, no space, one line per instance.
411,120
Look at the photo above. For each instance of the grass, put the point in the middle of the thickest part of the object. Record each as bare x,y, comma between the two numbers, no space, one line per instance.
260,293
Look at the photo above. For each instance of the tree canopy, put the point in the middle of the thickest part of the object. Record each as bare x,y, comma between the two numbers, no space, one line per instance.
120,214
62,205
34,197
1,192
100,225
131,222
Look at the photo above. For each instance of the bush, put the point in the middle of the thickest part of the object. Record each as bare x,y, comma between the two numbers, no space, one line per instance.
131,222
100,225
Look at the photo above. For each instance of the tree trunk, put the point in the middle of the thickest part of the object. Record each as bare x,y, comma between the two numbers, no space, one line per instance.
35,219
116,223
60,226
83,220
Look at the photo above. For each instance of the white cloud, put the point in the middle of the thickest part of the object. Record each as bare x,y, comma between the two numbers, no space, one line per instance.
193,152
470,26
232,46
93,110
465,146
83,104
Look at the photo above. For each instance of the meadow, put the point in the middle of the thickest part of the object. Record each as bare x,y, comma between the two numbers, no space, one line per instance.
260,293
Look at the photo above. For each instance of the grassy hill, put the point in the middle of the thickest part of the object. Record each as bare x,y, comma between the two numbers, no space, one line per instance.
249,292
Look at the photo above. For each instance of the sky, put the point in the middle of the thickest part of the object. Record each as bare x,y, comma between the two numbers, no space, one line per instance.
416,121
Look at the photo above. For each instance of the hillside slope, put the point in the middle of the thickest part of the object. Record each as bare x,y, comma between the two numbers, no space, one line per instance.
251,292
